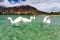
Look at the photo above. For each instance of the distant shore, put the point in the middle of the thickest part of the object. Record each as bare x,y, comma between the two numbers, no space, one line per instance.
29,14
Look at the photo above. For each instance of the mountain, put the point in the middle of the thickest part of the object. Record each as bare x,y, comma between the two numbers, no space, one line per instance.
24,9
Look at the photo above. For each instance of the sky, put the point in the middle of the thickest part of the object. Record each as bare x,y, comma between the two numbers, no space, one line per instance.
42,5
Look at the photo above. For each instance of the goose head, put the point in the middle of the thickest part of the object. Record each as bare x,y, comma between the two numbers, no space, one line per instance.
9,18
33,17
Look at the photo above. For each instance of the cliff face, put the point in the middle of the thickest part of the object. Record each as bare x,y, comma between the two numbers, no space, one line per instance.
24,9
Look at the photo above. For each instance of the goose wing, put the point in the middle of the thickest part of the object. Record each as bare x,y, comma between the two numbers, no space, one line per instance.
17,19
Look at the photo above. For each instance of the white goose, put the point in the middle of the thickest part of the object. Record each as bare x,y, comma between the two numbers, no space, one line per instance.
47,19
16,21
28,20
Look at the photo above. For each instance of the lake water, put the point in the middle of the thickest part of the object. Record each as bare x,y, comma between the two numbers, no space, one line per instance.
35,30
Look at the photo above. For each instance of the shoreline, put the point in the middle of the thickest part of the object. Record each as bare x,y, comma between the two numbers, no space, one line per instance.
44,15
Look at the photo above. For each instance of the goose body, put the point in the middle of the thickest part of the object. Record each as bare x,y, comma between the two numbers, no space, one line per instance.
17,20
28,20
46,19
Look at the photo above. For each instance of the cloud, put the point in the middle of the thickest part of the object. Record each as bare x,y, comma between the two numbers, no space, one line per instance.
1,0
43,5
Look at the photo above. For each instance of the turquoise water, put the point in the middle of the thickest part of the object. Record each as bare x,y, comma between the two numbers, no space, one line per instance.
35,30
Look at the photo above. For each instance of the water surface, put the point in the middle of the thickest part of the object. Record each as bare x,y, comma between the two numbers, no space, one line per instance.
35,30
